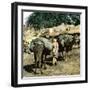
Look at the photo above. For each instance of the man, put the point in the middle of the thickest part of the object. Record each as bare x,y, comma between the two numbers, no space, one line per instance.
55,51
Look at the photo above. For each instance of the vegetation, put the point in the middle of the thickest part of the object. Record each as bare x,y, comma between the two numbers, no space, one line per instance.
40,19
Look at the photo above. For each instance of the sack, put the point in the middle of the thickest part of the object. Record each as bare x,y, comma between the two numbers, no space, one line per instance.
47,43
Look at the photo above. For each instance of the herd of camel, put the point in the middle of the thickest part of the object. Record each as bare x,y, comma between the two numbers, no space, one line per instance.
41,47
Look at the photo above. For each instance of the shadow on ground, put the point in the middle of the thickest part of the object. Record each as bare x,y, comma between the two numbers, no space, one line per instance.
29,68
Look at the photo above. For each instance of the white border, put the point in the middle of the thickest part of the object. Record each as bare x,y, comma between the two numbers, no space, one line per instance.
54,78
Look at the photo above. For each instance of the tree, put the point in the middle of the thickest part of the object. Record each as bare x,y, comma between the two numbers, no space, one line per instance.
40,19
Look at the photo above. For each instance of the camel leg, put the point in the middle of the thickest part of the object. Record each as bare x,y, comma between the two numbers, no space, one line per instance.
40,66
66,56
35,67
35,64
44,63
40,62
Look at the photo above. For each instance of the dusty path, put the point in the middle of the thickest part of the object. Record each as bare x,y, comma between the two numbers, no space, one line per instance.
71,67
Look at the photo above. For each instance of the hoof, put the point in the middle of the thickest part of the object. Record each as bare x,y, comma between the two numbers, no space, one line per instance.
41,72
45,67
35,73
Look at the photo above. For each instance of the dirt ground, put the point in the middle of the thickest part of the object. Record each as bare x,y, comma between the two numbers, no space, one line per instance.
69,67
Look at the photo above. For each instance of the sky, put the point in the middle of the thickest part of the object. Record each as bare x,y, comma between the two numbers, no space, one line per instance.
25,16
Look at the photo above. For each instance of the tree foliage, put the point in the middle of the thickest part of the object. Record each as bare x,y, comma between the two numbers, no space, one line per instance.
41,19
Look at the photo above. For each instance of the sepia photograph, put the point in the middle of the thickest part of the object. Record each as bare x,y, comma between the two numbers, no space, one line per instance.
49,44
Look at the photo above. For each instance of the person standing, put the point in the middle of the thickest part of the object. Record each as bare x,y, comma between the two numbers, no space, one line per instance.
55,51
